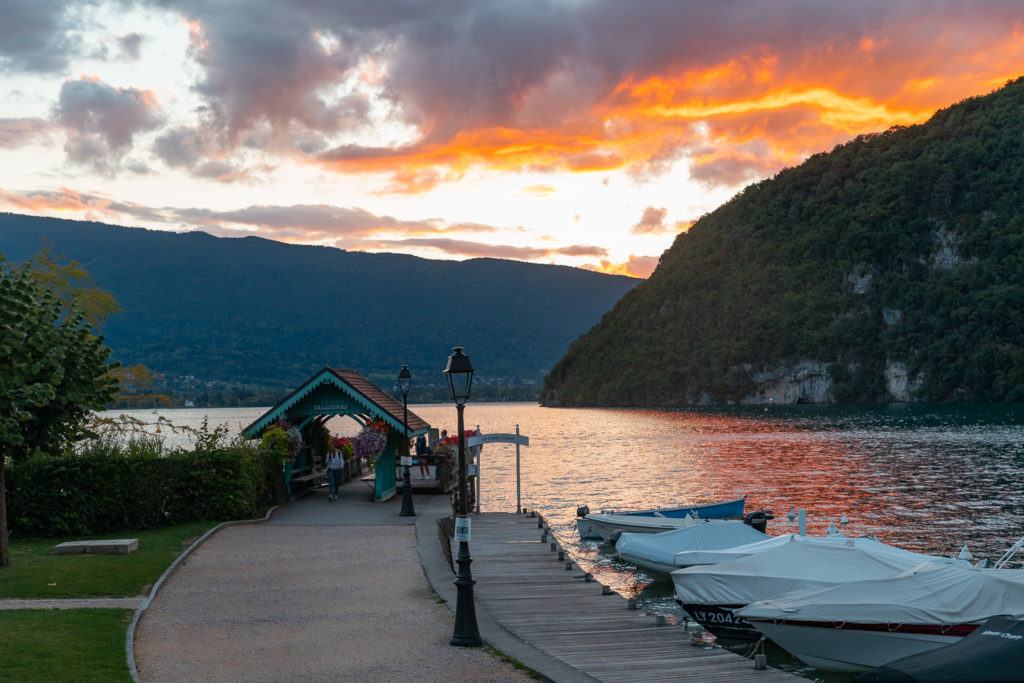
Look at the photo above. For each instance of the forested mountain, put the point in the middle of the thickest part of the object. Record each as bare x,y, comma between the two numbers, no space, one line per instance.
263,313
891,268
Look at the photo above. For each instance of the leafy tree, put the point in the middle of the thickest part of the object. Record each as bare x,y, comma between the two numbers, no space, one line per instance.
53,371
72,285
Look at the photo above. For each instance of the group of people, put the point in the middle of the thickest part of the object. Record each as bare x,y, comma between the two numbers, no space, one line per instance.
423,449
335,462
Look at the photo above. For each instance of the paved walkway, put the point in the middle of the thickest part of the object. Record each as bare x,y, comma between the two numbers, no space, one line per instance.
323,591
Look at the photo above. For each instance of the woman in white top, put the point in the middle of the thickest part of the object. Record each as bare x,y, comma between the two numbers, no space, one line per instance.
335,461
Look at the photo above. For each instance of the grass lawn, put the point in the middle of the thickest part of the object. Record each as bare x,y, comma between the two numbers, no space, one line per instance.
35,572
63,645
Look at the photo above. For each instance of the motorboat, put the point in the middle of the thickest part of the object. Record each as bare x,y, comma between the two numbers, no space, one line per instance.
653,520
861,625
992,653
656,552
710,593
602,526
693,558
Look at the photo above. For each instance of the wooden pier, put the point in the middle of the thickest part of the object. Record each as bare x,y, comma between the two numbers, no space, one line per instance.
525,587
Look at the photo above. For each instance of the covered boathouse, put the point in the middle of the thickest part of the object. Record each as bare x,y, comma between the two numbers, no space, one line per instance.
335,392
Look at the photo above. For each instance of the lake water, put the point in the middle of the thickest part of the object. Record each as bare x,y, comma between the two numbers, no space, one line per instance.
924,477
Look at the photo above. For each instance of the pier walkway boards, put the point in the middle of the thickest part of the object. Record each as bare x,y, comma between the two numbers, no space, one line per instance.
524,590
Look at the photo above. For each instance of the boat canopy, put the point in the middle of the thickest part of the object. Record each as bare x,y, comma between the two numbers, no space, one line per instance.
660,548
799,563
691,558
927,594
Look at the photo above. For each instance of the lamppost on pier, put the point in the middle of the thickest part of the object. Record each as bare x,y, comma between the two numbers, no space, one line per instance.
459,374
405,383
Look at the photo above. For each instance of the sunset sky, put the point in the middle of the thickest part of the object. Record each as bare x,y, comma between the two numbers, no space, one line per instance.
583,133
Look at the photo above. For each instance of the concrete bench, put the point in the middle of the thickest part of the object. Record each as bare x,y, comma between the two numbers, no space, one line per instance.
114,546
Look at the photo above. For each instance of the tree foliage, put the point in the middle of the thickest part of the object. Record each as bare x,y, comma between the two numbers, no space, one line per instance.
902,247
53,371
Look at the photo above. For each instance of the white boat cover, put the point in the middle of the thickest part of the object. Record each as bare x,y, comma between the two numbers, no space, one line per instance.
799,563
661,548
690,558
602,521
927,594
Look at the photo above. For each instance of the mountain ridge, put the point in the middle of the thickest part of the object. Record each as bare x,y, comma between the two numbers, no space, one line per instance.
263,312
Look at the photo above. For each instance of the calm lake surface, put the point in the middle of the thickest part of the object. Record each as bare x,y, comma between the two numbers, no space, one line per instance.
924,477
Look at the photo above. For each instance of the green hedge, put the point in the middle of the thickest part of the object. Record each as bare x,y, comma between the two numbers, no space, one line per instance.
111,490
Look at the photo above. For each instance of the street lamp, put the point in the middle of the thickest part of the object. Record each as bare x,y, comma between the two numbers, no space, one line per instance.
459,374
404,383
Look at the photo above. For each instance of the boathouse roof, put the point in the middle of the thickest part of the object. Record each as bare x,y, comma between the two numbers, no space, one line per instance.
336,391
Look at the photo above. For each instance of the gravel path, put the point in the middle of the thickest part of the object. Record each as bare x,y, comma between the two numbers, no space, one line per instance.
307,602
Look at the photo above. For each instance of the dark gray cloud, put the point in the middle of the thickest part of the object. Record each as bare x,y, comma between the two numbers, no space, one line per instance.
130,45
101,121
180,147
37,35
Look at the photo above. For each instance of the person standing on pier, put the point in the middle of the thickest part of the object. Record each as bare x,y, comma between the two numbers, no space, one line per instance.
421,450
335,461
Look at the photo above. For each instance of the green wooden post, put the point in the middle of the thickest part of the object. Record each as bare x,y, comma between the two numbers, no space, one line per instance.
384,475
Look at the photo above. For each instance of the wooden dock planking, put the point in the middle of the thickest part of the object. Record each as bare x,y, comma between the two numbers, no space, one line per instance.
524,586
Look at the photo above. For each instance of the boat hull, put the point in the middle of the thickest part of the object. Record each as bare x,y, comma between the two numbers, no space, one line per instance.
720,510
857,647
602,526
595,526
720,620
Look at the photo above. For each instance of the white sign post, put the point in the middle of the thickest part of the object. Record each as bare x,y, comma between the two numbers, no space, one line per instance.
481,439
462,529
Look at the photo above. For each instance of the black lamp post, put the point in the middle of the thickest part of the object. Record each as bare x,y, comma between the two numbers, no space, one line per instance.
459,374
404,383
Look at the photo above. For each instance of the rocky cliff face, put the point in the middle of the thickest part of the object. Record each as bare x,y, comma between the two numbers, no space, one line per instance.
901,386
810,382
804,382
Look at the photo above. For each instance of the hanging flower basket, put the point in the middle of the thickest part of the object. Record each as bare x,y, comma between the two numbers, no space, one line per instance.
369,443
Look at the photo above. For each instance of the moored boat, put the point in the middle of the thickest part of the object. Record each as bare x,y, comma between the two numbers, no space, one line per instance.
653,520
992,653
656,552
710,593
861,625
602,526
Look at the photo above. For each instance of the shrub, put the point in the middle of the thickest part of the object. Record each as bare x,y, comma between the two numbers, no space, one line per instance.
106,488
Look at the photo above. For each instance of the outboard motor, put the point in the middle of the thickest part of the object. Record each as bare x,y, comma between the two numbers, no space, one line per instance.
758,519
613,538
582,511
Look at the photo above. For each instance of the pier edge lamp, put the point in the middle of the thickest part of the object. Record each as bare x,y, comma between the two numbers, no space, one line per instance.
459,373
405,383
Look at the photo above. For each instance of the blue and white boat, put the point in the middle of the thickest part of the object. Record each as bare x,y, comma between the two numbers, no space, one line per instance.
600,525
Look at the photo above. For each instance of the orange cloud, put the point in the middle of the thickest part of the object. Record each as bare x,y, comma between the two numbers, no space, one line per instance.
636,266
743,117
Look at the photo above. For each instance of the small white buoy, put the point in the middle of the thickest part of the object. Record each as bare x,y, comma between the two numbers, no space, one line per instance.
791,515
844,519
832,529
965,554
